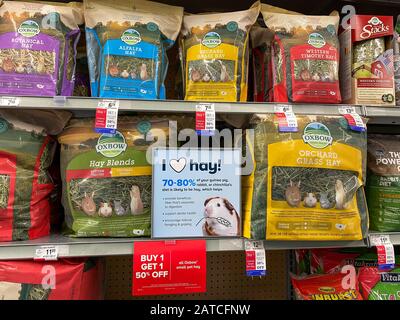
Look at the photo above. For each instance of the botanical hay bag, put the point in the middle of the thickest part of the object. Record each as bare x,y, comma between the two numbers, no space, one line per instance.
383,184
307,185
26,153
126,46
215,54
107,178
305,57
38,48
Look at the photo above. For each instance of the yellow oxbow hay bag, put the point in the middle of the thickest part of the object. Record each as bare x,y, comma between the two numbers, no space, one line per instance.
307,185
215,54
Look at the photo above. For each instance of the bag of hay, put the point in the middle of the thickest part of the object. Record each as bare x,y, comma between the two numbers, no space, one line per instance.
126,46
26,153
307,185
107,178
261,39
378,285
215,55
38,48
383,183
305,57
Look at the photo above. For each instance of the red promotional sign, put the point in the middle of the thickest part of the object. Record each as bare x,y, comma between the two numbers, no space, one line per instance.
169,267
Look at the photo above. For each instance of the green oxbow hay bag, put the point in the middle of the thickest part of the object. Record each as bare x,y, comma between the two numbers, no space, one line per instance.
107,179
307,185
383,184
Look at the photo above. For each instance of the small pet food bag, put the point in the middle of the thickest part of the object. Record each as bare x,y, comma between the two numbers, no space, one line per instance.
305,57
72,279
26,153
378,285
306,185
215,54
126,47
38,48
324,287
107,185
383,183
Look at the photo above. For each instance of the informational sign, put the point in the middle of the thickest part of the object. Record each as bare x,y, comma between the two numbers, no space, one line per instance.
196,193
169,267
287,121
353,118
256,264
205,119
107,116
385,251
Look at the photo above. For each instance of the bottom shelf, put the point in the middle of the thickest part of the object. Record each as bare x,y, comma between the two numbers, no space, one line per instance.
82,247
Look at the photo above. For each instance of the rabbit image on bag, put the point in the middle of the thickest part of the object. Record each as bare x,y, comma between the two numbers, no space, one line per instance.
118,208
324,201
340,196
105,210
293,194
88,205
221,218
136,201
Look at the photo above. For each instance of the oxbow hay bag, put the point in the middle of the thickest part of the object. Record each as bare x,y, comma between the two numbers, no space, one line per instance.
72,279
26,153
126,46
305,57
383,184
215,54
307,185
107,179
38,48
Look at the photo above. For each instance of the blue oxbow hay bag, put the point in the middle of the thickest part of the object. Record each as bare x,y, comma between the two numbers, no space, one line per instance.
307,185
126,46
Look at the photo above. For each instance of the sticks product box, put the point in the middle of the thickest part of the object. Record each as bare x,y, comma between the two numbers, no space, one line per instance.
366,69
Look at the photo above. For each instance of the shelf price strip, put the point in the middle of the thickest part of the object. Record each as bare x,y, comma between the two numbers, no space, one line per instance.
9,101
46,253
287,121
107,116
385,251
256,265
353,119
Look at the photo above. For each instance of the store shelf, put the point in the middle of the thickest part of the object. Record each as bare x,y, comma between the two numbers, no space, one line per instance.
173,106
394,236
383,115
82,247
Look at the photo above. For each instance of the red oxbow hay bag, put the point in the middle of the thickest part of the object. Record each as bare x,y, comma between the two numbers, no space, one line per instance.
305,57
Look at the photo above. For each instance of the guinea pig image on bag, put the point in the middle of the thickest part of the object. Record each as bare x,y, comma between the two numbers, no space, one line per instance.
221,218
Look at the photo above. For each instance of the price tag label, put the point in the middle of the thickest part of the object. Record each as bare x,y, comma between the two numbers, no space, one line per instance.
385,250
47,253
256,264
205,119
287,121
9,101
169,267
353,118
107,116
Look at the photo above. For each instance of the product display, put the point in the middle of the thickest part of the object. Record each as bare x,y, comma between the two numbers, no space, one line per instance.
366,72
377,285
324,287
127,56
79,279
107,178
26,153
383,184
396,60
308,185
305,57
38,47
215,55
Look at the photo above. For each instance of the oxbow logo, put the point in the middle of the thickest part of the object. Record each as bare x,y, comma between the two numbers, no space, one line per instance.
316,40
131,37
28,28
317,135
211,40
374,26
111,146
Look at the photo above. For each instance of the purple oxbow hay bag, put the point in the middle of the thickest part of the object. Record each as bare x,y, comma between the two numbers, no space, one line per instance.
38,47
